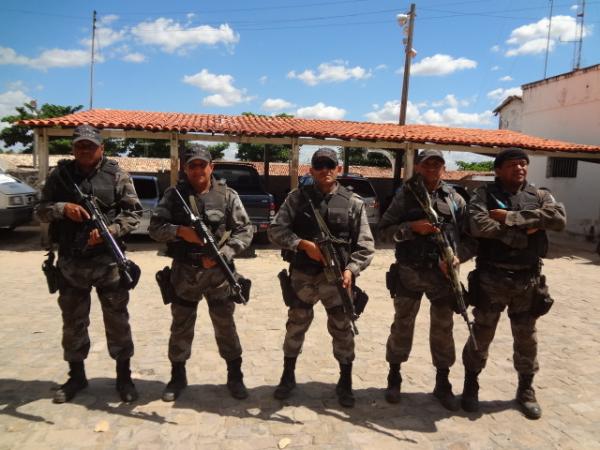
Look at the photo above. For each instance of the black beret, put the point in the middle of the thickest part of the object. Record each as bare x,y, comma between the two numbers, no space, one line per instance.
510,153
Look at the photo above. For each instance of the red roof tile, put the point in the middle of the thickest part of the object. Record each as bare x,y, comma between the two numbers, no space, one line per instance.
293,127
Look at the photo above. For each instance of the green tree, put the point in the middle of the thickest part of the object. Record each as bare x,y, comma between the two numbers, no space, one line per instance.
19,134
479,166
357,157
255,152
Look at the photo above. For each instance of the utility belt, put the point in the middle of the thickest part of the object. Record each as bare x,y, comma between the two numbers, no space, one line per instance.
417,256
82,253
184,253
509,270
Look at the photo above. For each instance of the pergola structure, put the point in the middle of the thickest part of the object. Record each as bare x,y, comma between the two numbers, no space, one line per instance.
176,127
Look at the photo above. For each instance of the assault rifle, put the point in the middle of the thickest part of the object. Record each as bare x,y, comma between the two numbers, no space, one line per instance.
213,250
333,265
128,270
417,187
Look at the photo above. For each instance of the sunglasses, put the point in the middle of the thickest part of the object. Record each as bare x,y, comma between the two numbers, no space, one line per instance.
321,164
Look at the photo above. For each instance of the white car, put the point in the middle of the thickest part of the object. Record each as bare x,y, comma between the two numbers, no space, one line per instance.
17,200
148,192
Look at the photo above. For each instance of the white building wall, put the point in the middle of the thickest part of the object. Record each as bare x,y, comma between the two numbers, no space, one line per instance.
568,109
511,116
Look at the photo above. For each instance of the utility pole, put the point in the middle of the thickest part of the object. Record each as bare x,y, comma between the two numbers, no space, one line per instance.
548,38
579,42
409,54
92,61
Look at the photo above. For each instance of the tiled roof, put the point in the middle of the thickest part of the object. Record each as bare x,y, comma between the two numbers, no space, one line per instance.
153,165
294,127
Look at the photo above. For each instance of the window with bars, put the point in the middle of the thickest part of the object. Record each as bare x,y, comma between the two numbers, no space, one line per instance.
561,168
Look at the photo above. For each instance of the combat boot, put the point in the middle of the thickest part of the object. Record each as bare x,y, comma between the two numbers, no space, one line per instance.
470,395
443,390
394,379
526,397
125,386
235,379
344,386
288,379
76,382
177,383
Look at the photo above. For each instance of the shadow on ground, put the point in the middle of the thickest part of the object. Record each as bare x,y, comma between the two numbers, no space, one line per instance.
416,412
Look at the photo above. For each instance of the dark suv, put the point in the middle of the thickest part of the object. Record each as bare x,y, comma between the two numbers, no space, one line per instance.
245,180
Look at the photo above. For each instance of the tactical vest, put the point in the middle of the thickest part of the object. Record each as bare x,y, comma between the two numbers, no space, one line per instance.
212,207
493,250
72,236
336,213
423,251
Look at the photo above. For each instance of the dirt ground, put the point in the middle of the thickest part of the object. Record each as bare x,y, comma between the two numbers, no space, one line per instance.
206,417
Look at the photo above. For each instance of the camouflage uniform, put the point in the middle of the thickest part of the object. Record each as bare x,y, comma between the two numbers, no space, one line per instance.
309,283
80,267
508,268
418,273
190,280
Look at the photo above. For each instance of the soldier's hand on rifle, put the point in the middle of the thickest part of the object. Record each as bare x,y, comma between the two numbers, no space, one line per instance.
188,234
532,230
208,262
312,250
347,279
75,212
499,215
94,238
444,266
423,227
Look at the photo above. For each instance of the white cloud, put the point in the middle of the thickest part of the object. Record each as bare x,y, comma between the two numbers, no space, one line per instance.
495,48
500,94
276,104
263,79
506,78
321,111
224,93
381,67
55,57
8,101
106,36
450,116
495,68
574,7
170,35
438,65
531,39
331,72
134,57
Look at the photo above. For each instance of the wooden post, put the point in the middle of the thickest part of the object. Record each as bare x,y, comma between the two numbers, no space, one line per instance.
266,159
294,162
409,161
346,151
42,151
174,147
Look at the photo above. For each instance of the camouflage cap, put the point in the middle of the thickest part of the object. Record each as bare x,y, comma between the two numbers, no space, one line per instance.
87,133
324,153
430,153
198,152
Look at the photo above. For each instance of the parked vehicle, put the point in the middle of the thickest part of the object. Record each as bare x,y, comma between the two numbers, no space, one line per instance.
245,180
17,200
148,192
361,186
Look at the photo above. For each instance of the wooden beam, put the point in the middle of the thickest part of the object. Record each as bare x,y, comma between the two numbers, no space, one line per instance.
43,156
409,161
294,162
174,150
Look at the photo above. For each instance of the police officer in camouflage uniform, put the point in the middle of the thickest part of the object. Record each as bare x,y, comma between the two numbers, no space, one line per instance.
194,274
294,230
510,218
83,260
418,271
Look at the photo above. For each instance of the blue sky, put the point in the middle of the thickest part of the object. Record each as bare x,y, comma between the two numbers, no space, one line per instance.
338,59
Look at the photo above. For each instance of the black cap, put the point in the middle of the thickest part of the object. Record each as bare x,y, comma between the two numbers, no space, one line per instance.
324,153
510,153
87,133
430,153
198,152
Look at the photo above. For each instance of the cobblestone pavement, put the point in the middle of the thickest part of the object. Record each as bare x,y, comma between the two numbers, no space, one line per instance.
206,417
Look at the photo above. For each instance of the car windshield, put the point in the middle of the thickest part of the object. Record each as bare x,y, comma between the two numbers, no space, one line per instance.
360,187
238,178
145,188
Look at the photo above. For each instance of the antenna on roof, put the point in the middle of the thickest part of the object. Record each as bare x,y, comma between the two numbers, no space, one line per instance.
548,38
92,61
579,41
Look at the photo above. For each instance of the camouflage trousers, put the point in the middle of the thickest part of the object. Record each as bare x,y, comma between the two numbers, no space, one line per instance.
412,284
191,284
310,289
496,291
79,275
